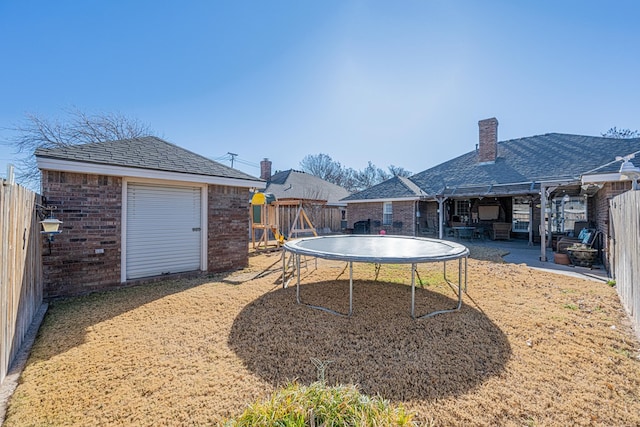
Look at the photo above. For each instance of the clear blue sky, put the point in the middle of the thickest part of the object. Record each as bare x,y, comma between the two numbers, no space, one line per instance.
402,82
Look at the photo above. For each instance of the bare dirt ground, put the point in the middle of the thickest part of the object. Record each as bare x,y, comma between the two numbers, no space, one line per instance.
528,348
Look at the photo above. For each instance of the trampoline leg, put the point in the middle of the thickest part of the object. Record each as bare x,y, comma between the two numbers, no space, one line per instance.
284,268
459,305
318,307
298,283
413,292
350,288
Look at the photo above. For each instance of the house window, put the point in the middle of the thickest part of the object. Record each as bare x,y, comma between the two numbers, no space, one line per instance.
461,210
521,215
565,211
387,213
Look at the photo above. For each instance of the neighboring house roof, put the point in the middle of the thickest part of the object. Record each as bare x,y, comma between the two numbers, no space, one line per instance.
145,153
521,165
292,184
394,188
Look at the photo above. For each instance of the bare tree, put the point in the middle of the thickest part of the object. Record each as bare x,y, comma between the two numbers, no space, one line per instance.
78,127
323,166
621,133
399,171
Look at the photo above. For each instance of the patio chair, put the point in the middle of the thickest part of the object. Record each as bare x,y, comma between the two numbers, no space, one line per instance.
586,237
501,231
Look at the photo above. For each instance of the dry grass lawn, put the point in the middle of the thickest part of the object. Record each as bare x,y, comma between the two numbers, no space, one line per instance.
528,348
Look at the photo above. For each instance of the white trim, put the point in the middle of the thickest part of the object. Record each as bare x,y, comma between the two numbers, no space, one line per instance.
412,199
123,233
204,220
602,177
112,170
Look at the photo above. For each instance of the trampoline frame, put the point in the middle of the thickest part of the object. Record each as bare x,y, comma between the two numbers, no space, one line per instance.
462,254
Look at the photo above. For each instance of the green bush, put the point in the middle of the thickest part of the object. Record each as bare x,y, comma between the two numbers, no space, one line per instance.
321,405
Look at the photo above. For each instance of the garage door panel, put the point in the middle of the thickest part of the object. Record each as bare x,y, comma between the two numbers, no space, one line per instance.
163,230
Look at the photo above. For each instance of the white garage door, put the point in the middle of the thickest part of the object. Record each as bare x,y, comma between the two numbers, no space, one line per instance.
163,232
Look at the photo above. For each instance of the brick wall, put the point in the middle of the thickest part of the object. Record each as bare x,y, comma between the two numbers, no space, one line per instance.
228,228
488,140
90,207
403,212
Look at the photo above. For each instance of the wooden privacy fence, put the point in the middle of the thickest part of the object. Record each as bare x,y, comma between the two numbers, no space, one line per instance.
21,286
625,251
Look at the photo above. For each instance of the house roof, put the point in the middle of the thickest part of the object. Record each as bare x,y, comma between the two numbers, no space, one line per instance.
521,165
393,188
149,153
292,184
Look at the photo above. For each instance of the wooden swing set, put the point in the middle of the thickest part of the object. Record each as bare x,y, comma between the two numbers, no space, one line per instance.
265,221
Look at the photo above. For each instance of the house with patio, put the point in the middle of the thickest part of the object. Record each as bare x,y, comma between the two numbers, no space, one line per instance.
535,188
138,210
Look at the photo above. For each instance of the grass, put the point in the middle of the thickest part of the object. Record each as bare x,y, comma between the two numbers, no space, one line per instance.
321,405
203,351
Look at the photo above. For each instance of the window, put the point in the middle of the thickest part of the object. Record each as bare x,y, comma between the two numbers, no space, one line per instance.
565,211
521,215
387,213
462,210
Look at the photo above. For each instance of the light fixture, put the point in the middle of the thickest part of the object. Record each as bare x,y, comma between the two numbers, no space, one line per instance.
628,171
50,224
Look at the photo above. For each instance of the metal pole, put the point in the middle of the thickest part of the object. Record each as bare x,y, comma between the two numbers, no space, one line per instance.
413,291
298,283
350,287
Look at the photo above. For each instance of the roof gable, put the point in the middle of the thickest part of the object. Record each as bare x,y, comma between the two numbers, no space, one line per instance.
393,188
528,160
149,152
292,184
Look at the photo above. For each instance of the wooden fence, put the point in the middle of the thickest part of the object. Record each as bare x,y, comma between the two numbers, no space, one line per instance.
21,284
624,237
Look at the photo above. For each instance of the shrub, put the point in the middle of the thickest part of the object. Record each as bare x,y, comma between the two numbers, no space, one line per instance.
321,405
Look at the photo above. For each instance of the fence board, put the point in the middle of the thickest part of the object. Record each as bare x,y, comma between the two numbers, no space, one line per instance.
21,283
625,245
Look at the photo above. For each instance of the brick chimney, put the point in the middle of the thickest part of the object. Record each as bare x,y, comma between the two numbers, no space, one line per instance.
488,148
265,169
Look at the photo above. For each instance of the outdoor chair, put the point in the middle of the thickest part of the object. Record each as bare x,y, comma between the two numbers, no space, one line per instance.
501,231
586,237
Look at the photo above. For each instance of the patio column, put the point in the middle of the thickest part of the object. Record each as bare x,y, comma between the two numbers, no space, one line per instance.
543,232
440,200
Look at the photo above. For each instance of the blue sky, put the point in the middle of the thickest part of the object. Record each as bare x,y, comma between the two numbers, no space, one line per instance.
397,83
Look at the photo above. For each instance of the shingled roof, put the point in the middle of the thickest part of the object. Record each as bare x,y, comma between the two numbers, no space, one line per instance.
521,165
393,188
150,153
292,184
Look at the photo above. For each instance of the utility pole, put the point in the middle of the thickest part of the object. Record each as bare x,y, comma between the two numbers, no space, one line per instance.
233,156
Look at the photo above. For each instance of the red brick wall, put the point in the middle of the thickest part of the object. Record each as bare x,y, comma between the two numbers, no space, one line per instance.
402,212
228,228
90,207
488,140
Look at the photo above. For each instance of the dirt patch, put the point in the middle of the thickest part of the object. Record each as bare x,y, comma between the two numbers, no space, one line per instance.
527,348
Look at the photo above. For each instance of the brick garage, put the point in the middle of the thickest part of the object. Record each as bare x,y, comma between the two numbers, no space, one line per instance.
88,254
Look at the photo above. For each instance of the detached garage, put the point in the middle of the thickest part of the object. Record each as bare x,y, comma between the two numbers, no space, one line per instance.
140,209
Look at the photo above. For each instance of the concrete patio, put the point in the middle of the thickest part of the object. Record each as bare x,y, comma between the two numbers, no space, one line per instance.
520,252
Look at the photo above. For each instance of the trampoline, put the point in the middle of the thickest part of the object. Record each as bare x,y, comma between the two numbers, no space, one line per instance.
379,249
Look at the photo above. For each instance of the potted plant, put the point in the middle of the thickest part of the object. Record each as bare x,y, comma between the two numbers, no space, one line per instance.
582,255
